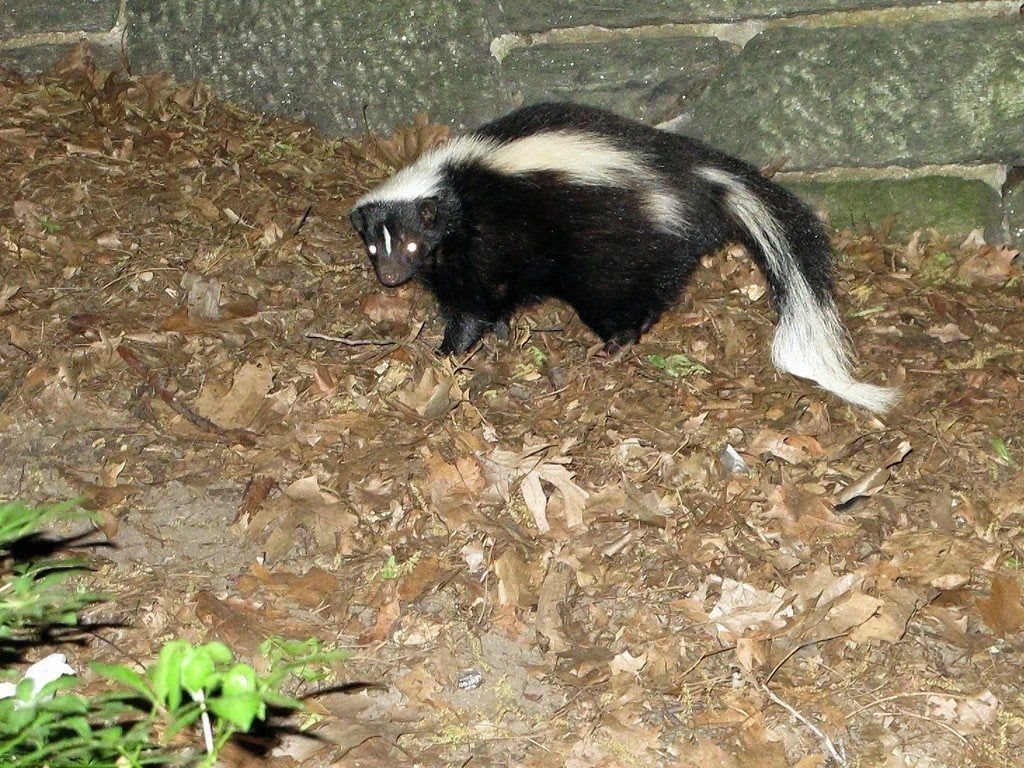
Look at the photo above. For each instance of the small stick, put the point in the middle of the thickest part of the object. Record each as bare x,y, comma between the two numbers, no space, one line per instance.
302,219
243,436
357,342
932,720
908,695
825,740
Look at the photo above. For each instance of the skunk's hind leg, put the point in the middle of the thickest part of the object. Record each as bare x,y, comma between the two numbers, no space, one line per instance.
619,331
620,343
462,331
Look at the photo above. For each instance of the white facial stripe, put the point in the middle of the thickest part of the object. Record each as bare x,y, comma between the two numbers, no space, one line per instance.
387,241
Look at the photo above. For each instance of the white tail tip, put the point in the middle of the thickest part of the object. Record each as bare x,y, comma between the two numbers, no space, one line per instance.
810,343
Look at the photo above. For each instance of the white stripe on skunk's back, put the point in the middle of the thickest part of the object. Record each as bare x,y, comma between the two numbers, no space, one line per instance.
582,158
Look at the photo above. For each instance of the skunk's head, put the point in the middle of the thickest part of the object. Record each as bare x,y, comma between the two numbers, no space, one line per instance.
401,235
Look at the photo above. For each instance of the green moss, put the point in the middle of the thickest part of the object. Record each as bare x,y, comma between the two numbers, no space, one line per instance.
949,205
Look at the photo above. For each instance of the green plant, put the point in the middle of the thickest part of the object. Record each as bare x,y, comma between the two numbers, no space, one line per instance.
282,650
677,366
50,226
191,693
39,594
1002,451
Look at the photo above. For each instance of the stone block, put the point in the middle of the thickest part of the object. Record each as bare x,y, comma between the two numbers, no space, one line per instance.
542,15
30,17
328,61
650,80
912,94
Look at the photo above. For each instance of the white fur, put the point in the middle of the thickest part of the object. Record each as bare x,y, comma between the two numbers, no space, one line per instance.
810,340
583,158
387,241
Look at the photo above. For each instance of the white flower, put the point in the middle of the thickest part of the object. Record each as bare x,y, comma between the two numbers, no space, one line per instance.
42,673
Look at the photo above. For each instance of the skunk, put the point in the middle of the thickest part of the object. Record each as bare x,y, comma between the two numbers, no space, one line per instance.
609,215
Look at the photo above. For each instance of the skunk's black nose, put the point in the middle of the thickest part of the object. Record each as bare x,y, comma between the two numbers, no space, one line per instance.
393,273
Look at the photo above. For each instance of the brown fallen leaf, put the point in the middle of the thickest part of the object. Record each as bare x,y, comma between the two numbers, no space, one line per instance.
432,396
793,449
872,481
385,308
408,142
387,617
1002,609
312,589
238,628
991,265
947,333
554,592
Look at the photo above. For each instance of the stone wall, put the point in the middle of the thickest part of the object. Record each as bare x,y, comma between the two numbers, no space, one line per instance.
903,107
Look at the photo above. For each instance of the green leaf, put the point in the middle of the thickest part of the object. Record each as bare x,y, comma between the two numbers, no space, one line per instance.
240,680
196,669
219,652
657,361
999,446
184,718
68,704
279,700
677,366
237,710
166,673
121,674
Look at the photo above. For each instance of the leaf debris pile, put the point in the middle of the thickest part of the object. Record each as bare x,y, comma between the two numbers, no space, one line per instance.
540,557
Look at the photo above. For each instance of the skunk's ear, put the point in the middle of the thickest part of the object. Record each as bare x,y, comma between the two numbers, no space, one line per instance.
427,210
358,220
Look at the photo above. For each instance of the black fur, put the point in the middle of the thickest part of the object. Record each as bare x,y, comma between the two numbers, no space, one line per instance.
496,243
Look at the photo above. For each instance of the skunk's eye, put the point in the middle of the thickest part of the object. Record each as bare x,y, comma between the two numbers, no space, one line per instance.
373,250
412,247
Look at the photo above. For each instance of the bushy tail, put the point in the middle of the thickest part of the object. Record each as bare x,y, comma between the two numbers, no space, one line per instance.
810,340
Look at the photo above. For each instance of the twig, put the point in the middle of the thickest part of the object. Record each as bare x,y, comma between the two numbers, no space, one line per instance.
829,745
939,723
908,695
706,655
243,436
302,219
358,342
790,655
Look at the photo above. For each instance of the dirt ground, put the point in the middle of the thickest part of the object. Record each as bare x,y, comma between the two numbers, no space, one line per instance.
537,557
